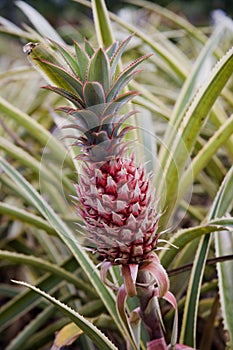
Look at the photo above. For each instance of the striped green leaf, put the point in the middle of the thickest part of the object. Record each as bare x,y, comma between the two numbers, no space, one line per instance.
68,238
207,152
25,216
40,23
26,300
88,328
189,130
222,204
182,238
178,20
224,245
102,23
18,258
36,130
189,89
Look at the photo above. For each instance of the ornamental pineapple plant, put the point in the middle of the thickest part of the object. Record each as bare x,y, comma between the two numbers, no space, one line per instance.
114,195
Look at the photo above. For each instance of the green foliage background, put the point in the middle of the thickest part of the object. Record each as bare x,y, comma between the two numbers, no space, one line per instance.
38,237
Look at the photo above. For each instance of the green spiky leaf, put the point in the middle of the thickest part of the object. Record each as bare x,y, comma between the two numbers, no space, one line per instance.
69,58
65,78
82,59
112,49
117,55
119,102
93,93
89,49
123,78
99,69
68,95
89,329
86,119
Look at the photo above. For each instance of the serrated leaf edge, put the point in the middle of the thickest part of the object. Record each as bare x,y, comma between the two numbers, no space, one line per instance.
69,310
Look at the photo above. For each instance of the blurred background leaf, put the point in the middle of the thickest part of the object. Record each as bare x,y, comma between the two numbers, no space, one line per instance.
186,41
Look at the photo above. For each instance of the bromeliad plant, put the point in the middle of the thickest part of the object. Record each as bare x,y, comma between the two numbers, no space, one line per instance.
118,211
114,194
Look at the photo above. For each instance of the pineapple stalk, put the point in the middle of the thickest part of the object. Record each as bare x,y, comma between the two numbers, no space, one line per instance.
148,306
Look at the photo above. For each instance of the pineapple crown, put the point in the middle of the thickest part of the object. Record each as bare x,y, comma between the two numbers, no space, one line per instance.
88,78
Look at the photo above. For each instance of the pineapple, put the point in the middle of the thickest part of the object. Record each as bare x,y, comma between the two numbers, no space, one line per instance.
113,195
115,203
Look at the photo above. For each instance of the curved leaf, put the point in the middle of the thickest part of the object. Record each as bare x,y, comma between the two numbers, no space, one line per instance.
37,130
26,300
189,88
68,238
207,152
40,23
183,237
175,18
224,246
88,328
18,258
64,79
32,163
124,77
115,59
222,203
25,216
69,58
189,130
